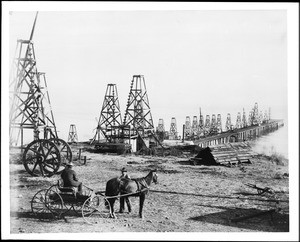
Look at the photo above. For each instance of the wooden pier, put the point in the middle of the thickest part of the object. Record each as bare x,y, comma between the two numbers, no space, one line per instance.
240,135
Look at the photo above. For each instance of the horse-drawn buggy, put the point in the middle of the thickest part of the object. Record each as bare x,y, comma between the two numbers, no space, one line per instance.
57,201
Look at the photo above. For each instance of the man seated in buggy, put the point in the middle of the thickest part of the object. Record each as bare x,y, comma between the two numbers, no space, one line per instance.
70,179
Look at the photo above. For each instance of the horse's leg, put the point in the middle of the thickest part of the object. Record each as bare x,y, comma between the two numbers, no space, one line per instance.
128,204
142,199
122,207
112,211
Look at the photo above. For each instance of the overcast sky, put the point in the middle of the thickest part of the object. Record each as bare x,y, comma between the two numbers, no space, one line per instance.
219,61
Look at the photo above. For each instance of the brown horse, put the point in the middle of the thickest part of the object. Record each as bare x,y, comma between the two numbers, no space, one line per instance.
123,188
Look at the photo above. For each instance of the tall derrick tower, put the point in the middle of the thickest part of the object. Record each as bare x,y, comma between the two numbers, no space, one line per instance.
110,116
173,129
266,118
228,122
207,125
30,106
201,125
72,134
219,124
213,125
244,119
238,124
161,126
188,128
138,119
160,130
255,114
195,127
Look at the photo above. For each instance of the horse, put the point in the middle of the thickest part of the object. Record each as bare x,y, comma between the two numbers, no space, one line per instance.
138,187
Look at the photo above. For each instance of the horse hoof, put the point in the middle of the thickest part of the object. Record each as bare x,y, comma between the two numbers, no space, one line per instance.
121,211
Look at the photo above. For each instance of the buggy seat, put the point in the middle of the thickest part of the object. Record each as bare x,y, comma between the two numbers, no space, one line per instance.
66,190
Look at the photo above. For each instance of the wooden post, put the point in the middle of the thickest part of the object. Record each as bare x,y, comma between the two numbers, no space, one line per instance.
183,128
84,160
79,154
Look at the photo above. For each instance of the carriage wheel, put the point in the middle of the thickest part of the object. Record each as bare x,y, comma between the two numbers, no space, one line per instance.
94,208
64,149
41,158
39,207
57,205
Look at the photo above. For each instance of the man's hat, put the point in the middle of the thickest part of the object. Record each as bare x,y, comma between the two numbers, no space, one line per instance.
124,169
70,164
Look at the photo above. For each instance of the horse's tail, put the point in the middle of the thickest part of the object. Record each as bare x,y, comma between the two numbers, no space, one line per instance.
112,189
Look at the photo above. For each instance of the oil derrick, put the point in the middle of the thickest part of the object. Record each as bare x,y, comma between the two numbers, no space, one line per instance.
255,114
219,124
160,130
269,114
72,134
195,127
244,119
239,123
173,134
213,125
30,106
228,125
260,117
207,125
138,119
188,128
110,116
201,125
250,119
266,118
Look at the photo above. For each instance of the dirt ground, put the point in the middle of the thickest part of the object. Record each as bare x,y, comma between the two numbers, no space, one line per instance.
186,199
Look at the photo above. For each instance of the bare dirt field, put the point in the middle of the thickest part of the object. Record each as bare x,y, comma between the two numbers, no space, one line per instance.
186,199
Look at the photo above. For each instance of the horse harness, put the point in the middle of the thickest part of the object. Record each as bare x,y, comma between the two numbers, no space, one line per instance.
141,184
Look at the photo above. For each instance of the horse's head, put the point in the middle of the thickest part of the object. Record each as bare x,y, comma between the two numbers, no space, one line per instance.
154,176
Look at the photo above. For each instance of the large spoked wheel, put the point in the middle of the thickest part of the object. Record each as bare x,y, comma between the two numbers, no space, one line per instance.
41,158
64,149
39,206
94,208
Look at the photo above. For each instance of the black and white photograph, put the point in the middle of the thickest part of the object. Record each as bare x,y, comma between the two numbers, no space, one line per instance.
150,121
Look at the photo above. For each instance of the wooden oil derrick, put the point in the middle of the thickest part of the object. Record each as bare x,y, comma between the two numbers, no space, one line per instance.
161,126
266,118
72,134
255,115
260,117
30,106
188,128
213,125
239,123
251,118
228,125
269,114
201,125
110,117
219,124
195,127
207,125
138,119
244,119
160,130
173,134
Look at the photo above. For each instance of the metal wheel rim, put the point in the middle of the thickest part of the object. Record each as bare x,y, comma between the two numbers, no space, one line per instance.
94,208
39,207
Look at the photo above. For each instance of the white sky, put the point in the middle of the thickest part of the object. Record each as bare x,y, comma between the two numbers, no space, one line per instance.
221,61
